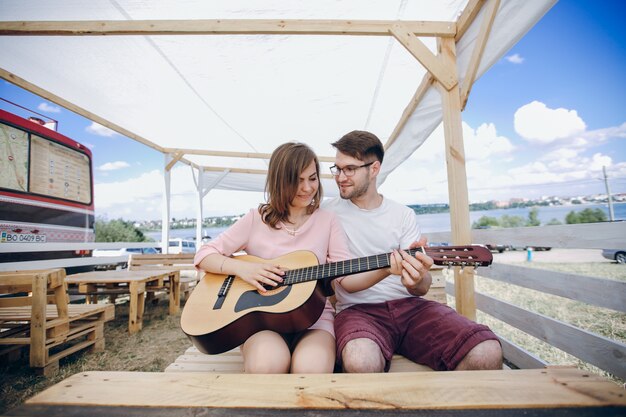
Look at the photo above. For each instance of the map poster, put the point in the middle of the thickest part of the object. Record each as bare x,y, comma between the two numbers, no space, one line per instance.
58,171
13,158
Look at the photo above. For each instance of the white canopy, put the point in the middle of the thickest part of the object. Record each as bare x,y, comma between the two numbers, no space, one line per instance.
219,84
247,92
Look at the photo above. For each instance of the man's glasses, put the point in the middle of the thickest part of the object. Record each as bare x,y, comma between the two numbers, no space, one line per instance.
348,171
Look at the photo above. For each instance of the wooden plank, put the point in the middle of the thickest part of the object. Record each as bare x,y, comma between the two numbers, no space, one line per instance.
479,47
533,388
520,357
606,354
595,291
70,106
426,83
432,63
467,17
231,154
221,26
457,182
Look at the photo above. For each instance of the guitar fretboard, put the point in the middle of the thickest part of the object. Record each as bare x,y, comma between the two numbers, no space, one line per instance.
340,268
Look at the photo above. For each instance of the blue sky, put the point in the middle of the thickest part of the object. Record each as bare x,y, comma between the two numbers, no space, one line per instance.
542,121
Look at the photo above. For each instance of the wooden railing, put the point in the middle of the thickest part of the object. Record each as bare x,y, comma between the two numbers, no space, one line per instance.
605,353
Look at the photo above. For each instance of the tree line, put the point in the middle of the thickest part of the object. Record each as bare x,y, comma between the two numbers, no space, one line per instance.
587,215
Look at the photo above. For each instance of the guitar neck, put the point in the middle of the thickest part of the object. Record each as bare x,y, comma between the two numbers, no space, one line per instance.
340,269
472,255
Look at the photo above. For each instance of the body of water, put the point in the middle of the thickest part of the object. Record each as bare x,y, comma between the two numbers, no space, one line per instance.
440,222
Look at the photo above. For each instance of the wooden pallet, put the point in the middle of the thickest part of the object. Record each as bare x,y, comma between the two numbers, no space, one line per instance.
36,314
182,262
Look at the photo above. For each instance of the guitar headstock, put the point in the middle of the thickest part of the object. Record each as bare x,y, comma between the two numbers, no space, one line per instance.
472,255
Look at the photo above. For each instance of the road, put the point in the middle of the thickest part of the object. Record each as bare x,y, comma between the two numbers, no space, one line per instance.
554,255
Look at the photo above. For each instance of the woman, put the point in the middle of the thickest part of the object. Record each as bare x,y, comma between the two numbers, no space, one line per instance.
290,220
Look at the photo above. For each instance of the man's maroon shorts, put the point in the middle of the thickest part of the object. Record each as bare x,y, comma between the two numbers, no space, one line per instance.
426,332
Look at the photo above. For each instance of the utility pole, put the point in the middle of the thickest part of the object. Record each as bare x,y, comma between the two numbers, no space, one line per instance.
608,193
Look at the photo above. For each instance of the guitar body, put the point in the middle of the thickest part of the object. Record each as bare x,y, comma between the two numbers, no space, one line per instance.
216,324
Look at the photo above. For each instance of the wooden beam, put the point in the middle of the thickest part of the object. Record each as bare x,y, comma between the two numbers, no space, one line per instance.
175,158
20,82
445,75
222,27
250,171
467,17
234,154
427,81
457,183
479,47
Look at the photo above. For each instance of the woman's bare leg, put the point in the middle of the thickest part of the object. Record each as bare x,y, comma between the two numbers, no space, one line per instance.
314,353
266,352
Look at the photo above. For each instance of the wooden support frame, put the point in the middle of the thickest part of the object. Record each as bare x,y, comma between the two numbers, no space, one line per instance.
443,74
440,67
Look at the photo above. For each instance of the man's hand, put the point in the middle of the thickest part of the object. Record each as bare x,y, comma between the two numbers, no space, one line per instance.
415,276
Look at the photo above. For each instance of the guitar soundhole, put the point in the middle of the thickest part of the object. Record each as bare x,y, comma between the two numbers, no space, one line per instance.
272,290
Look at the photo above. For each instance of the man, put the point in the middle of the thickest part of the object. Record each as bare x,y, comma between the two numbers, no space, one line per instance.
390,316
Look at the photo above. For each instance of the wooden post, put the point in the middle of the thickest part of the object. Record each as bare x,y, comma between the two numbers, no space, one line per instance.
165,216
457,181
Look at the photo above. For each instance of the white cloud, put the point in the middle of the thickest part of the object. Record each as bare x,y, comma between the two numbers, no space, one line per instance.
141,197
537,123
49,108
514,59
112,166
97,129
480,144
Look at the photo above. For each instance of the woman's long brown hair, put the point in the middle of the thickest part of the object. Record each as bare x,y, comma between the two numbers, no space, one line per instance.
283,178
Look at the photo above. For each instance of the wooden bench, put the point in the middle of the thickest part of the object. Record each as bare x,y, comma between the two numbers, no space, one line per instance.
558,391
35,312
232,362
183,262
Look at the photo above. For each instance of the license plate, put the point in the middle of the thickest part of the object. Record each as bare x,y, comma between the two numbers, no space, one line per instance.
10,237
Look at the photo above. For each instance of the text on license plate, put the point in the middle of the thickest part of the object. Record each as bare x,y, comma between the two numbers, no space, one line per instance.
9,237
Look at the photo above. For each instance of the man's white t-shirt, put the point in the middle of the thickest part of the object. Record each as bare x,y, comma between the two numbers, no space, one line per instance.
372,232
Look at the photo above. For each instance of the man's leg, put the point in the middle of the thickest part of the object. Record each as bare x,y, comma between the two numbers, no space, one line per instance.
437,336
485,355
364,338
361,356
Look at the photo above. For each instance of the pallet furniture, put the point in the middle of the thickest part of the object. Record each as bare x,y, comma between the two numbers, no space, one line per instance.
555,391
134,283
182,262
35,312
232,362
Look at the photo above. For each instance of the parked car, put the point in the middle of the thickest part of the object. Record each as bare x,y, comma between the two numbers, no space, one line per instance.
498,248
178,245
120,252
618,255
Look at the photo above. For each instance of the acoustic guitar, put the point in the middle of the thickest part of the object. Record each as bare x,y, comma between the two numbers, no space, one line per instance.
224,310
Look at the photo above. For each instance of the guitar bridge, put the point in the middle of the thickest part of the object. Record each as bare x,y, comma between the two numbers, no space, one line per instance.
221,295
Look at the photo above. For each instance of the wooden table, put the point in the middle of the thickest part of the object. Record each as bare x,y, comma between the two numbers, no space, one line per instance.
133,282
531,392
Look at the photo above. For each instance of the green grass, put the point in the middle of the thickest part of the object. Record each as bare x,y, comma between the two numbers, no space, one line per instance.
604,322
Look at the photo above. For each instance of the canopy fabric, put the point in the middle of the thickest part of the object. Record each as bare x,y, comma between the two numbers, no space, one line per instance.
250,92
